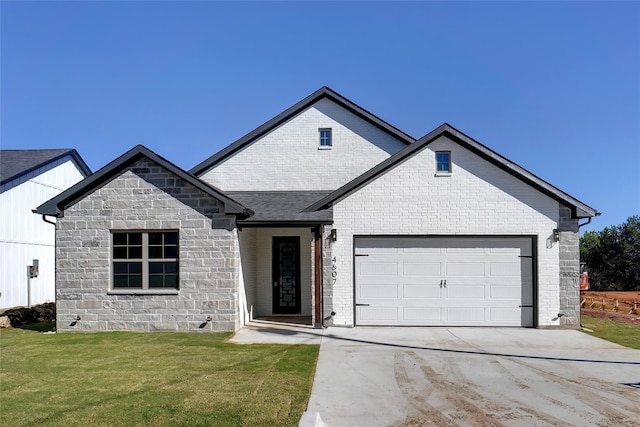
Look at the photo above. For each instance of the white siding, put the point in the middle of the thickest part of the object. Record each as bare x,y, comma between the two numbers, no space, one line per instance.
24,236
477,199
288,158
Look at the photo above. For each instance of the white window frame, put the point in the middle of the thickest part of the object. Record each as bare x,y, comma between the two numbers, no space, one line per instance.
322,145
449,166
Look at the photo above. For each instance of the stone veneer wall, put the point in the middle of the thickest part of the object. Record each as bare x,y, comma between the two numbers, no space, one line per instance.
569,268
147,197
328,279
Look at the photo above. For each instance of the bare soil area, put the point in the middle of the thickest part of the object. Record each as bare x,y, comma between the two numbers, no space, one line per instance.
618,306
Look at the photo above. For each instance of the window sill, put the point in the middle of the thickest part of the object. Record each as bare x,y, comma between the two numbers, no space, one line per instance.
443,174
142,292
324,147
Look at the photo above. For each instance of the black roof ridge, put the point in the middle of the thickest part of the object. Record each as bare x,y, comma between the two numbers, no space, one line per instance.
86,171
323,92
578,208
56,205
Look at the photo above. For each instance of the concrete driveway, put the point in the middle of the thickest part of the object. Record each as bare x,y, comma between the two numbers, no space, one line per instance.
473,376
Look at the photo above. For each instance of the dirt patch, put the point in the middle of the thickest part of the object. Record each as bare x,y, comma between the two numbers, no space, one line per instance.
621,307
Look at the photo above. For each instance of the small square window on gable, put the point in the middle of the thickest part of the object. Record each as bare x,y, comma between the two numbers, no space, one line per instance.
443,162
325,138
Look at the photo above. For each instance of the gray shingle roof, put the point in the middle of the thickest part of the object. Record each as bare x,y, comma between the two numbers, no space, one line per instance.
282,207
16,163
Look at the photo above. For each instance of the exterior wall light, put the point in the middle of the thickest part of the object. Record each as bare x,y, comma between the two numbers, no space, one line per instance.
206,321
334,234
556,234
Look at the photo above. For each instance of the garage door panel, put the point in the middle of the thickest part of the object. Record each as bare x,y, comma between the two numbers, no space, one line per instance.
515,250
372,291
512,269
429,269
511,293
506,314
465,292
444,281
463,315
422,291
378,314
465,269
422,314
379,269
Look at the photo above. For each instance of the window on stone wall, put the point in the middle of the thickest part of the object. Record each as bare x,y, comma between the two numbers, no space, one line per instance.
145,260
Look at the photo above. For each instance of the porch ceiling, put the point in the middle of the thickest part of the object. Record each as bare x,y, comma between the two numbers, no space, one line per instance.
282,207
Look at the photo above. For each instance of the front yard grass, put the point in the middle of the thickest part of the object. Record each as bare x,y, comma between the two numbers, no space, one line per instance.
158,379
617,332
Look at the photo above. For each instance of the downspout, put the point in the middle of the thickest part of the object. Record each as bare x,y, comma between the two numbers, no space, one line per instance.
589,220
582,225
585,223
44,218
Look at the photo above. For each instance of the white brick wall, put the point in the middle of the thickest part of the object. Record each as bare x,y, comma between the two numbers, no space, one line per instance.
477,199
288,158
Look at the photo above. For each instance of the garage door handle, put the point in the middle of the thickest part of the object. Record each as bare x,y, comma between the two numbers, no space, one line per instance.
531,306
443,283
362,255
362,305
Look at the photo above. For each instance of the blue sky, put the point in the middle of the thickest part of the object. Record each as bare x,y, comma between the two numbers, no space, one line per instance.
553,86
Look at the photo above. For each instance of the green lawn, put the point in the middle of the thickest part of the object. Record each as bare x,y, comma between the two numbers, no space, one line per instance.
157,379
619,333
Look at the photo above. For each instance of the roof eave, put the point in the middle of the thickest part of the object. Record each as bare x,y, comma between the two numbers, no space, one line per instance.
280,224
58,204
84,169
578,209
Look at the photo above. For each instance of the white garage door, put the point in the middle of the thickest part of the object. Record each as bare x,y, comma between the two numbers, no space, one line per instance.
452,281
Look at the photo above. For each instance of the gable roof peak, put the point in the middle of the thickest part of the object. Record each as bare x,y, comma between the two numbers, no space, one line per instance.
578,208
73,194
289,113
15,163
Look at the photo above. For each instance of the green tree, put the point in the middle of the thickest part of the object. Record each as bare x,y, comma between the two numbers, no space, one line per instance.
613,256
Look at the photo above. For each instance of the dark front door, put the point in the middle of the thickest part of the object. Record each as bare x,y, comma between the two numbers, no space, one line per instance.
286,275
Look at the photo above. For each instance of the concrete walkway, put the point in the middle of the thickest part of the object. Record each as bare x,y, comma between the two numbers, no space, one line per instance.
266,332
466,376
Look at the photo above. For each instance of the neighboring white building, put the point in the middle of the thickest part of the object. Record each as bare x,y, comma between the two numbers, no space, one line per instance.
327,212
27,179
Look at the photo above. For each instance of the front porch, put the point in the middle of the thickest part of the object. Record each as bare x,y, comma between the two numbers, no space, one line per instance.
281,256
